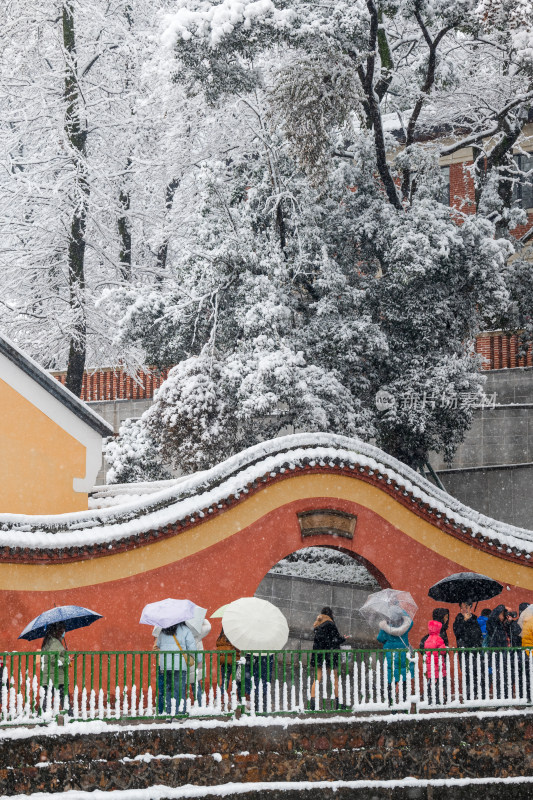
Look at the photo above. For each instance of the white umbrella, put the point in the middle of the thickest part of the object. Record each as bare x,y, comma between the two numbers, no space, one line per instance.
195,623
388,604
165,613
254,624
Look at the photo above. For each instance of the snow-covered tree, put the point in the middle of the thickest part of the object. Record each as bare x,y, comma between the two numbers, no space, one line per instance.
257,205
96,145
356,274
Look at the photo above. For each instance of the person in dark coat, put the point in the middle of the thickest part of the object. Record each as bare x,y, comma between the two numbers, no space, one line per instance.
466,627
468,635
514,632
497,637
326,637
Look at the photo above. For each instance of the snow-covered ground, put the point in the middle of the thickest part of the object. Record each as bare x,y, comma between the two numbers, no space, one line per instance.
159,792
231,789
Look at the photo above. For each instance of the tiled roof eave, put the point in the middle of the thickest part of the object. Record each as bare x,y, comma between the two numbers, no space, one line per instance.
424,510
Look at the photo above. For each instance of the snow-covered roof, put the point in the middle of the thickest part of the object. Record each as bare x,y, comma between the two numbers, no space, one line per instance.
177,505
31,368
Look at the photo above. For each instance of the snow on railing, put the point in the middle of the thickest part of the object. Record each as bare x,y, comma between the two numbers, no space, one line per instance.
191,499
146,684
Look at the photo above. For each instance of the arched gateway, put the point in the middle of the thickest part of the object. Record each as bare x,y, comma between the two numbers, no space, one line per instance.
212,537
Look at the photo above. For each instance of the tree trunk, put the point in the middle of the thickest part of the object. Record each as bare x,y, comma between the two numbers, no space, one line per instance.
124,199
76,134
162,252
124,231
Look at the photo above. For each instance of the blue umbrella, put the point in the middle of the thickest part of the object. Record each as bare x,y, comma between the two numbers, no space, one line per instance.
70,617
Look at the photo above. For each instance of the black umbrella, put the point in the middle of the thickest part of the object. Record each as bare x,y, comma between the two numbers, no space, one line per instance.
465,586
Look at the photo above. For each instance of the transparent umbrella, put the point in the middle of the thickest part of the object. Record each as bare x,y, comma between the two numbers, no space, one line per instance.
389,604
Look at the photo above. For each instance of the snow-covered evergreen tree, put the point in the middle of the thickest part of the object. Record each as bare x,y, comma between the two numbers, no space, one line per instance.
255,202
328,270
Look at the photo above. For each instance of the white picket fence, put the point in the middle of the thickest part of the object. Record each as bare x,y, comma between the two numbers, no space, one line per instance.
108,686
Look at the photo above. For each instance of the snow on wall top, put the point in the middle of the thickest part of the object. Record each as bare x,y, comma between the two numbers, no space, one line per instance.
189,500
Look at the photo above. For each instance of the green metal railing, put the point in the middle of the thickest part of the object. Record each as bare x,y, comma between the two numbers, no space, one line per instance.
139,684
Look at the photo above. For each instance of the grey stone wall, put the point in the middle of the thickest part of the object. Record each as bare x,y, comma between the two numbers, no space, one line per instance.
116,411
301,600
492,471
503,493
503,435
433,748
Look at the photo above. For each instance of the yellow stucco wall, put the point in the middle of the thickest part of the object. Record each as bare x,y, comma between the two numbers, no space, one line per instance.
38,460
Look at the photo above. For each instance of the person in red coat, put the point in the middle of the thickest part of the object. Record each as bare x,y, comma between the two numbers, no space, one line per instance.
435,662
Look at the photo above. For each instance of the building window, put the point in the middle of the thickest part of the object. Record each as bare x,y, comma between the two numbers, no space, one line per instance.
523,188
444,194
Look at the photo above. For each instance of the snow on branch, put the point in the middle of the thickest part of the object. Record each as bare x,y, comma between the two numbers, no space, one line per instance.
214,22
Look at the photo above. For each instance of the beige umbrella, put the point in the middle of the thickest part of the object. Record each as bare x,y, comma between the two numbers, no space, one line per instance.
254,624
219,613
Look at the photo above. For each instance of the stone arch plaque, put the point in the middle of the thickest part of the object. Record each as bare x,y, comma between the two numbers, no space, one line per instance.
327,521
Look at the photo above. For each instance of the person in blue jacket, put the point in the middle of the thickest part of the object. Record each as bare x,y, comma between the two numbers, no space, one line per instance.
482,622
174,666
394,636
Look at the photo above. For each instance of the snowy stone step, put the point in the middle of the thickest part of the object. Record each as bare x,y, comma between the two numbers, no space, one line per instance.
436,746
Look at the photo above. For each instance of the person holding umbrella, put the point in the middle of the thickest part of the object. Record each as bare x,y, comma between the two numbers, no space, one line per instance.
173,666
175,638
199,626
53,667
393,635
225,659
392,612
256,627
468,635
51,626
467,588
466,627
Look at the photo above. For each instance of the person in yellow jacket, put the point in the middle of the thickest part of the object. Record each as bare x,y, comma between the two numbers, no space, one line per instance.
527,628
525,621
